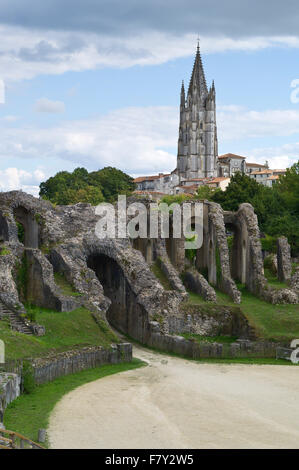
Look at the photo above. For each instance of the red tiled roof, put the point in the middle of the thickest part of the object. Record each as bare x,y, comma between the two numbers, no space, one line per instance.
274,177
262,172
218,179
150,178
258,165
148,192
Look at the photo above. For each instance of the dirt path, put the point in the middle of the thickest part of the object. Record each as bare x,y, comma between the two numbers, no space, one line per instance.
175,403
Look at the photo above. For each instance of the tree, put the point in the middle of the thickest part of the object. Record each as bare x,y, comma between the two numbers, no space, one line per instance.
241,189
288,188
80,186
277,208
113,182
205,192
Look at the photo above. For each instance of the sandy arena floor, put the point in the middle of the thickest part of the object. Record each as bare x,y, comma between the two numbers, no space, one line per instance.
175,403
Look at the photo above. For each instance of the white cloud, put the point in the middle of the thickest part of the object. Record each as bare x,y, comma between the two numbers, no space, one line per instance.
26,53
279,157
139,141
14,178
10,118
133,139
235,123
43,105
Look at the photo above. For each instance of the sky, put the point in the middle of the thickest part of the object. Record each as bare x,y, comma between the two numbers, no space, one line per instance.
96,83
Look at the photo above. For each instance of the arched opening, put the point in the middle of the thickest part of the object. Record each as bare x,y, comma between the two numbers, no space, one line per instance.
237,252
28,229
3,229
124,313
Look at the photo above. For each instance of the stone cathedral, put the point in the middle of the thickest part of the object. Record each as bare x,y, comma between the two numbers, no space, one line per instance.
198,162
197,144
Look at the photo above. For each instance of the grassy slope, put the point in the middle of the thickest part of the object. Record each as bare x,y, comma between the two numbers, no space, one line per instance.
65,287
64,330
161,276
31,412
278,322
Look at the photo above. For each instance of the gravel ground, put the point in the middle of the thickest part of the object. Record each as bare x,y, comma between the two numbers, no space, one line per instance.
176,403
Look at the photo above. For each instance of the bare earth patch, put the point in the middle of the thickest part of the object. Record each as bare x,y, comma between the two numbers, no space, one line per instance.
176,403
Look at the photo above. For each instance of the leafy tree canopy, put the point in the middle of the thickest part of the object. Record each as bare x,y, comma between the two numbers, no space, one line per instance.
80,186
277,208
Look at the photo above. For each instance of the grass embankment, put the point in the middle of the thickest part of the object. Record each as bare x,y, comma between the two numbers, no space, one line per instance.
28,413
273,281
64,331
160,275
65,287
272,322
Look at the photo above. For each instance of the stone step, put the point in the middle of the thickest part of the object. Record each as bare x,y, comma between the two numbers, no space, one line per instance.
15,321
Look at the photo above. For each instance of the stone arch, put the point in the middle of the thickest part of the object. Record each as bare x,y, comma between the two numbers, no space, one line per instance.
125,312
28,221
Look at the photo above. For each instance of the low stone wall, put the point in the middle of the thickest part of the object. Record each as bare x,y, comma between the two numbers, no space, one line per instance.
10,389
195,350
70,362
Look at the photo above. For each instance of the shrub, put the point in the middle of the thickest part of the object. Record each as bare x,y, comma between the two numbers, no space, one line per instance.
28,378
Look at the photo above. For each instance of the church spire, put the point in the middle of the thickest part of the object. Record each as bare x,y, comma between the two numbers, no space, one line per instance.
198,78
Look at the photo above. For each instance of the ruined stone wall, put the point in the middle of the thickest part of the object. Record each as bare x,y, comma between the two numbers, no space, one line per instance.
212,320
70,362
41,288
10,389
192,349
284,262
197,283
220,253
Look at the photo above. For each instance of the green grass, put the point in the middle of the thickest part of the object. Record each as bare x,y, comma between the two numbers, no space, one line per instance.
156,269
196,299
28,413
209,339
64,331
4,251
272,322
273,281
65,287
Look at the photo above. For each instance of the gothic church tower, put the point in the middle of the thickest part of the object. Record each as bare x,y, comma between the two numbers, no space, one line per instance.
197,145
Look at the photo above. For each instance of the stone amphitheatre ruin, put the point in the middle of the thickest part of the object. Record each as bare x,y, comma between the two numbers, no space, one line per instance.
115,279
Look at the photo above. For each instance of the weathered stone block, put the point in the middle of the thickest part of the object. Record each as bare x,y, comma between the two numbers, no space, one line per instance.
284,264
